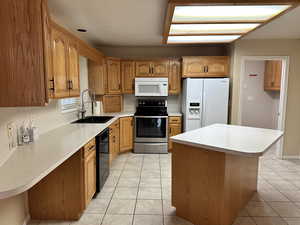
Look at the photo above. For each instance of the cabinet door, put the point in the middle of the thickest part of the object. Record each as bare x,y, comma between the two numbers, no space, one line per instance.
126,134
128,75
90,176
194,66
160,68
113,76
117,138
217,66
143,68
73,70
174,129
96,74
175,77
112,103
277,75
59,62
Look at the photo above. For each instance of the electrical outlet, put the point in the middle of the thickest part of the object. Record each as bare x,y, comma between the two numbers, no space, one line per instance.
12,135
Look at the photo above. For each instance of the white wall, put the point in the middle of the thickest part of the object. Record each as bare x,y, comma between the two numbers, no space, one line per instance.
259,108
13,211
286,47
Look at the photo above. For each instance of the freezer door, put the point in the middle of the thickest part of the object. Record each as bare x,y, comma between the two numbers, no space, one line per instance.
193,89
215,101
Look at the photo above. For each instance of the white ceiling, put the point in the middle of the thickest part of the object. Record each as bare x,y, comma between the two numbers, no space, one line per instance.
140,22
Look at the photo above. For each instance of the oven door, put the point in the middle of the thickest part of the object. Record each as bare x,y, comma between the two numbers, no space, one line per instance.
151,129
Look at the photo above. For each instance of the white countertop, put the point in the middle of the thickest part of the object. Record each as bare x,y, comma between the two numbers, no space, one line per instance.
174,113
247,141
31,163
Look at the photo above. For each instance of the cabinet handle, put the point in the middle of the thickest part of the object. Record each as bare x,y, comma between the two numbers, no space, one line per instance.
71,84
206,69
52,85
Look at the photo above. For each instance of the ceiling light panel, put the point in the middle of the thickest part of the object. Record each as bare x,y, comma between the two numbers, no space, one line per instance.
234,28
202,39
202,14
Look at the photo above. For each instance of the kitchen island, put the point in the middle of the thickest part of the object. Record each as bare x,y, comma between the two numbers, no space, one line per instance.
214,171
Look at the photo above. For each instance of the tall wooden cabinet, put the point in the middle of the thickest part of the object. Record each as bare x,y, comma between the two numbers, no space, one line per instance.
272,78
114,76
205,66
126,134
97,76
128,76
153,68
175,77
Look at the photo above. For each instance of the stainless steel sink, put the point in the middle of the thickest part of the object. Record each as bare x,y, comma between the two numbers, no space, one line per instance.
94,119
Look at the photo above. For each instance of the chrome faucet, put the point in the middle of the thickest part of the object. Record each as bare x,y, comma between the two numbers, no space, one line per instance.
92,94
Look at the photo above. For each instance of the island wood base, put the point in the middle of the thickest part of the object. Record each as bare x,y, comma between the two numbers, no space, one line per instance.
210,187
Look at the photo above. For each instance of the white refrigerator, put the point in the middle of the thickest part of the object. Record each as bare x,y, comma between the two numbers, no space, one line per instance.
204,102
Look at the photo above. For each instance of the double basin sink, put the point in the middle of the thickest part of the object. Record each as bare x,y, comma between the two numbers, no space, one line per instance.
94,119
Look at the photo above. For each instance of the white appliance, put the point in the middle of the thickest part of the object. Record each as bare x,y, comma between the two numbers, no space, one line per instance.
151,86
204,102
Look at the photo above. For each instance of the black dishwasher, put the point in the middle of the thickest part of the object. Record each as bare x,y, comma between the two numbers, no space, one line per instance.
102,154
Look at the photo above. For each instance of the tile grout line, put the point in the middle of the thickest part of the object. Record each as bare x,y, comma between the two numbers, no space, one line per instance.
115,187
138,189
161,191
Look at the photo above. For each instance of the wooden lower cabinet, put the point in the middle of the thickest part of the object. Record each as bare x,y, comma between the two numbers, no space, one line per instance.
175,127
67,190
89,174
114,140
126,134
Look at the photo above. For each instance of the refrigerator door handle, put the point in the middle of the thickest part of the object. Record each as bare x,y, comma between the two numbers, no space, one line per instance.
203,121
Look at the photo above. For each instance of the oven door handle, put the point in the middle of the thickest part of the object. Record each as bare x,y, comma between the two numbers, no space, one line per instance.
155,117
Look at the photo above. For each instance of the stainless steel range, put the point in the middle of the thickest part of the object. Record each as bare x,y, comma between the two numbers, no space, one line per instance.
151,126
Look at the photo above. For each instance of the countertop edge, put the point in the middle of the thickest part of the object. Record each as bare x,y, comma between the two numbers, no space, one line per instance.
20,189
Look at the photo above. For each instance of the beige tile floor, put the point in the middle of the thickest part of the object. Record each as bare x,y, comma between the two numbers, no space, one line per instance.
138,192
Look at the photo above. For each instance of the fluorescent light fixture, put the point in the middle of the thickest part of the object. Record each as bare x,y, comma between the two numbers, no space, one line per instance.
232,28
259,13
202,39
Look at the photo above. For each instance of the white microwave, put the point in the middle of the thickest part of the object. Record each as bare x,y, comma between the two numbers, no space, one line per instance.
151,87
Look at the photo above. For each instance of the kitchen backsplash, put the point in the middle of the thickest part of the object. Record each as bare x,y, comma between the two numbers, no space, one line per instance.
174,103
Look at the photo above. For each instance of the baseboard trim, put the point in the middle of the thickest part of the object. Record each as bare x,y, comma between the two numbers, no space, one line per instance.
27,219
291,157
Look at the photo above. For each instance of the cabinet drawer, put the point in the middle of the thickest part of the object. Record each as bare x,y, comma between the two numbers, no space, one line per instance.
89,147
174,119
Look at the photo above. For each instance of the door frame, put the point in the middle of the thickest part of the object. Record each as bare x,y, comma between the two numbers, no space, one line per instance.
283,92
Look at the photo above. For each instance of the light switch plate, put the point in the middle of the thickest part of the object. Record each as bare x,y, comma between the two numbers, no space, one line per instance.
12,135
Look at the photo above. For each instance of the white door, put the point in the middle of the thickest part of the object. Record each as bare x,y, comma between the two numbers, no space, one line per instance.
215,101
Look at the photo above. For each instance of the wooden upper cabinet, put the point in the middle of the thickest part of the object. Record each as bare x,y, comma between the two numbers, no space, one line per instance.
113,76
59,81
126,134
205,66
193,66
73,69
128,76
23,77
112,103
175,77
152,68
143,68
160,68
272,78
97,76
217,66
